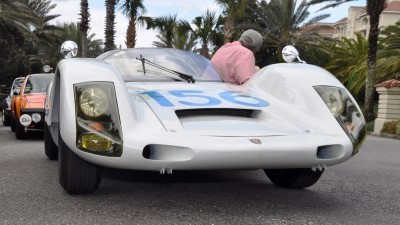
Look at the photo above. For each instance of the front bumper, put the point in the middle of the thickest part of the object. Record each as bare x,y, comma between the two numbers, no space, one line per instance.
35,126
210,153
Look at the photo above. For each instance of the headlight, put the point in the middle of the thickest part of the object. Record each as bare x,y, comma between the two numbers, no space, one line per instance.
346,112
36,117
97,119
335,103
93,101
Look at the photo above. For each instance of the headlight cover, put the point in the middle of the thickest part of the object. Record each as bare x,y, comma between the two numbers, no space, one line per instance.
97,119
93,102
36,117
346,113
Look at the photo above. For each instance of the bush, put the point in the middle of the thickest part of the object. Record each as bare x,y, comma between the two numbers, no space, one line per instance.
391,127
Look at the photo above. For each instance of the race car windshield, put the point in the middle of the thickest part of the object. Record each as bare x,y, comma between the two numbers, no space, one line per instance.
185,65
188,78
38,83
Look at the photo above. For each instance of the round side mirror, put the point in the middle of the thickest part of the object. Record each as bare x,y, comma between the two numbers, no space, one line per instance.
290,54
69,49
47,68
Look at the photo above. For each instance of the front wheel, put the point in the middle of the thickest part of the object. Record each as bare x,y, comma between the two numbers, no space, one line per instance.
20,132
76,175
293,178
12,125
50,148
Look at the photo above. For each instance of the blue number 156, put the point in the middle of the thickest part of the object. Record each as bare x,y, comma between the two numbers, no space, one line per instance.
204,100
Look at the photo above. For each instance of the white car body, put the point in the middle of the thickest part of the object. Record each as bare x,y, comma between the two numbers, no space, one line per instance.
192,126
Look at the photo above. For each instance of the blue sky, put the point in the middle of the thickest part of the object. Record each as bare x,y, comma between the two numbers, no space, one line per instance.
69,10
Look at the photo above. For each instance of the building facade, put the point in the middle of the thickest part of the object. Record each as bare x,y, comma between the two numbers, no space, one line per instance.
358,20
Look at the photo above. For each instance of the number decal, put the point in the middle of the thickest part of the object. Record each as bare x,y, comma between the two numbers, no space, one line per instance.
199,98
159,98
197,94
242,99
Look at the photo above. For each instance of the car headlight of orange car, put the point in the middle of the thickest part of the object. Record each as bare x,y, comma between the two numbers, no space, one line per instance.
97,119
346,113
36,117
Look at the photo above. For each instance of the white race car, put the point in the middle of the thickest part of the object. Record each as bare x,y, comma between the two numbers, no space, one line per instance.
166,109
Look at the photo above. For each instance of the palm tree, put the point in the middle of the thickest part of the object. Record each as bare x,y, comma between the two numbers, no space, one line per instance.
70,31
84,25
204,28
185,39
232,9
42,9
166,25
280,21
348,61
109,31
133,9
19,15
391,51
374,10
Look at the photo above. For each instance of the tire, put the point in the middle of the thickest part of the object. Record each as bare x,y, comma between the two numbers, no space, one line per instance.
5,119
20,131
50,148
76,175
293,178
12,125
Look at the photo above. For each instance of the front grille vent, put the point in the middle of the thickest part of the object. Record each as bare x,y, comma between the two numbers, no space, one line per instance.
248,113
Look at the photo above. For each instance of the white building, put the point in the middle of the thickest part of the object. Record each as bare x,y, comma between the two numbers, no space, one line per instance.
358,20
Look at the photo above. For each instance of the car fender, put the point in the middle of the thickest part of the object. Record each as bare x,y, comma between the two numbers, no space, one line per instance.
291,86
75,71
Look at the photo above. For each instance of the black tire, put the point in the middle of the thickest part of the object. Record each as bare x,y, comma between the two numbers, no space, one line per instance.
76,175
293,178
12,125
20,131
5,118
50,148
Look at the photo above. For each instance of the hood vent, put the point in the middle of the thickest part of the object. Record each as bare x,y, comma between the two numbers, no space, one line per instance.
247,113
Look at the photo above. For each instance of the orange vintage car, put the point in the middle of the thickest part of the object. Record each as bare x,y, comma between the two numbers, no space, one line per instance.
27,106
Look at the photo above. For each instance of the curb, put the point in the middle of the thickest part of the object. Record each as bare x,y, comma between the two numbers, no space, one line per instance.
392,136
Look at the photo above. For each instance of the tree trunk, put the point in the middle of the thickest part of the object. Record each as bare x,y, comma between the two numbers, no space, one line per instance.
374,10
131,32
84,25
109,31
229,27
84,44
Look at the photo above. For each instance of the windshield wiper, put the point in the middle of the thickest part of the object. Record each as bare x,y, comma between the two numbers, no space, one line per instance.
142,60
186,77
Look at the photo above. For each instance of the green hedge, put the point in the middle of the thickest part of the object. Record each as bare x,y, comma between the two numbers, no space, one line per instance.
391,127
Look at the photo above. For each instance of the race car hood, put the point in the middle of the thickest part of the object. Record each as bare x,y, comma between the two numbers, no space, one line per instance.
213,110
33,100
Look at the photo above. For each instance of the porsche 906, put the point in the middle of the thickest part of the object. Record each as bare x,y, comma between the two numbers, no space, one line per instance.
166,109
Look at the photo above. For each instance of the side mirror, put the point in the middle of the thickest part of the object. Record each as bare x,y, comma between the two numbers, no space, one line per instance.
47,68
290,54
69,49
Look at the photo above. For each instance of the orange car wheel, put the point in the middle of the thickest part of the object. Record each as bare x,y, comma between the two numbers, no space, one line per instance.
20,132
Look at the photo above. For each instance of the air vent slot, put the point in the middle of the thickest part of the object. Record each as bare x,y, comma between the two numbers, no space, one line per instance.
248,113
330,152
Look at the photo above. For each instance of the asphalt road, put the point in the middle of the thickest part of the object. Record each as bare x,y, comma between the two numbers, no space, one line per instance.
363,190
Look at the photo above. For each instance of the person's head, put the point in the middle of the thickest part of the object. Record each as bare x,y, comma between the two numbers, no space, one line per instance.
251,39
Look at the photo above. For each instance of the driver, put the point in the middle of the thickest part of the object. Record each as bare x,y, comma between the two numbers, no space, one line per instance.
235,61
